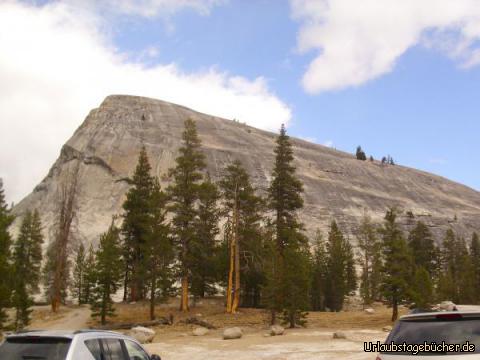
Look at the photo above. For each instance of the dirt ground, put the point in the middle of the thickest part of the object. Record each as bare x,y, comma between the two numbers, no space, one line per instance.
176,342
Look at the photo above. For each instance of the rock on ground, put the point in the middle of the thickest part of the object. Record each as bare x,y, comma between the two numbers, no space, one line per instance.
370,311
200,331
447,306
232,333
142,334
339,335
387,328
276,330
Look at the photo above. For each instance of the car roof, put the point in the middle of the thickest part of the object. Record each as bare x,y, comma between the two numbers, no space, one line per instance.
446,314
68,334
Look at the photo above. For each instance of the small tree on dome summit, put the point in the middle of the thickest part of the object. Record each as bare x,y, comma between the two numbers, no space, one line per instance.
360,154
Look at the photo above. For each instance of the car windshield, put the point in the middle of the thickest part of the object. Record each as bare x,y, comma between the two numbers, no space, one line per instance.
35,348
436,331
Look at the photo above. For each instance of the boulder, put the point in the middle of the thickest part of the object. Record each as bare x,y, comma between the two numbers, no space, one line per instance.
200,331
276,330
232,333
447,306
369,311
387,328
339,335
142,334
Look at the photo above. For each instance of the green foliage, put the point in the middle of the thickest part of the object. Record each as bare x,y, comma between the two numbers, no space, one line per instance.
284,200
340,269
79,274
398,264
108,273
159,251
370,261
475,260
183,195
423,249
457,281
89,276
319,274
203,247
296,283
422,292
6,219
360,154
237,191
137,223
27,257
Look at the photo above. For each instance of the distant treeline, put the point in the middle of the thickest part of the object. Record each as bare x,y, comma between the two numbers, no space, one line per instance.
169,242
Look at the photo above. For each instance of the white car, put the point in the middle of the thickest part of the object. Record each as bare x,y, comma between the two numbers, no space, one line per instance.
72,345
427,336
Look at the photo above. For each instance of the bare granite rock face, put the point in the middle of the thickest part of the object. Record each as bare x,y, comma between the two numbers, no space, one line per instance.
336,184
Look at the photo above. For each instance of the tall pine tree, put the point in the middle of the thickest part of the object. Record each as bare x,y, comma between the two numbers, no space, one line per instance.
475,259
27,257
243,210
423,249
340,269
398,265
319,274
184,194
285,200
136,226
370,260
108,274
159,254
204,244
6,219
79,274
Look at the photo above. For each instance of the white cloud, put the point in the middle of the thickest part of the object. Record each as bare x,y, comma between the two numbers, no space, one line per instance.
358,41
151,8
56,65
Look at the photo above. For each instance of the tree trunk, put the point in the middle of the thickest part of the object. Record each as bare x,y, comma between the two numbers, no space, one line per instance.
273,317
236,298
395,309
152,299
184,302
230,277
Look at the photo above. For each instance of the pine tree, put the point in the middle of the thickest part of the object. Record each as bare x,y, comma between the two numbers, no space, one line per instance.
370,260
6,219
422,292
27,257
398,264
159,254
423,249
243,210
183,194
284,200
319,274
79,274
89,276
360,154
475,259
203,245
108,271
340,272
136,225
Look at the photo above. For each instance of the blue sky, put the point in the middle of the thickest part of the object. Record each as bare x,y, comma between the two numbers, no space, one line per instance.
425,113
337,73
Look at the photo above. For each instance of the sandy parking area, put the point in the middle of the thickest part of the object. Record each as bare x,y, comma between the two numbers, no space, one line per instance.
298,344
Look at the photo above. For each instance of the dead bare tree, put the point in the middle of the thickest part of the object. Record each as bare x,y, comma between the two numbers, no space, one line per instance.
57,266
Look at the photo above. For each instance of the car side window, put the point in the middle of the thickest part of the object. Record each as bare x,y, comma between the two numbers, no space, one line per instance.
112,349
135,352
94,347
